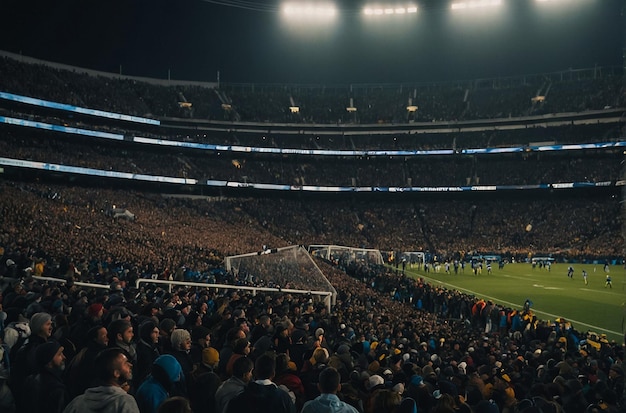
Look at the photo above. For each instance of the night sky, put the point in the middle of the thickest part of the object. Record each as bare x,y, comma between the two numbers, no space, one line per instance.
194,40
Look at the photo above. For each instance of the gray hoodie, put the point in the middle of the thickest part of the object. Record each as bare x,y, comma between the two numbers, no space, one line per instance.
103,399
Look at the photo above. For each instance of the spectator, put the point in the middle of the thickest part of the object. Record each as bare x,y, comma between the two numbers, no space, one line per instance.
329,384
113,371
81,367
46,389
147,350
242,374
204,382
166,380
262,395
25,362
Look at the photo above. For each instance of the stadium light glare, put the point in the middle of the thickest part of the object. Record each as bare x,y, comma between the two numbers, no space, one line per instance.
395,10
475,4
308,10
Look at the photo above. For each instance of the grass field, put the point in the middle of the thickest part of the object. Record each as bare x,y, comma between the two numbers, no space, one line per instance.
589,307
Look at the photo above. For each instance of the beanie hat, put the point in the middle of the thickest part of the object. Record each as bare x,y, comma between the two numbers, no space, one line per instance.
170,366
167,324
427,371
145,330
210,356
94,309
46,352
343,349
374,381
179,336
37,322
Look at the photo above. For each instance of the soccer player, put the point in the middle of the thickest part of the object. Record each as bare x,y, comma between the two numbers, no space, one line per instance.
570,272
585,277
608,282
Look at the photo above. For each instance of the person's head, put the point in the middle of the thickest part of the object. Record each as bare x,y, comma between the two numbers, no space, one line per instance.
95,311
265,367
265,321
167,370
210,356
149,332
181,339
99,335
242,369
41,324
176,404
241,346
112,367
121,331
234,333
201,336
242,323
329,381
385,400
320,355
50,356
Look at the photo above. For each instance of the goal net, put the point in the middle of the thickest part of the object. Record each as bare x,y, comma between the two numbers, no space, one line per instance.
412,258
290,269
340,255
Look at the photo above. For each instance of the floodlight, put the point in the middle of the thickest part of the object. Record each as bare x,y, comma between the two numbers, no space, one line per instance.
294,109
411,108
307,10
399,9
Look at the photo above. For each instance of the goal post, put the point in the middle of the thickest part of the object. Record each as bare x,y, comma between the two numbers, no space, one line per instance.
346,255
289,268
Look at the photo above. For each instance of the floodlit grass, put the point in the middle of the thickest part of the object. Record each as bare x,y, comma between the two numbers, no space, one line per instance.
589,307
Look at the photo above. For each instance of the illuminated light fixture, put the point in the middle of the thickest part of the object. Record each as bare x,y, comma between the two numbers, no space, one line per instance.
294,109
399,9
475,4
309,10
411,108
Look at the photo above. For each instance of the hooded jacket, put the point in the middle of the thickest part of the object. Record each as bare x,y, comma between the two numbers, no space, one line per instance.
103,399
161,384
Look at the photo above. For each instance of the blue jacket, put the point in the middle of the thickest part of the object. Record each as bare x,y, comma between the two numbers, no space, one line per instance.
166,372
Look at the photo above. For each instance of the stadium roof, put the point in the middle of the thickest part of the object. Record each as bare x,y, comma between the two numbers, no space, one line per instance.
251,41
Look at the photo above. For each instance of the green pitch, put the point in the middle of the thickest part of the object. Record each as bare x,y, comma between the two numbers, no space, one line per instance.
589,307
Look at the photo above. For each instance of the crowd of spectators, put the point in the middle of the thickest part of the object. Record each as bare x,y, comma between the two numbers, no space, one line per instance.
490,169
74,222
576,91
393,341
396,344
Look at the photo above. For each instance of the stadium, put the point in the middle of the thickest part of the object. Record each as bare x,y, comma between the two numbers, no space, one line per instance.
461,225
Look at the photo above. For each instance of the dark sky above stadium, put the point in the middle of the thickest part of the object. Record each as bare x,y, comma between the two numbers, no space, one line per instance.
194,39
